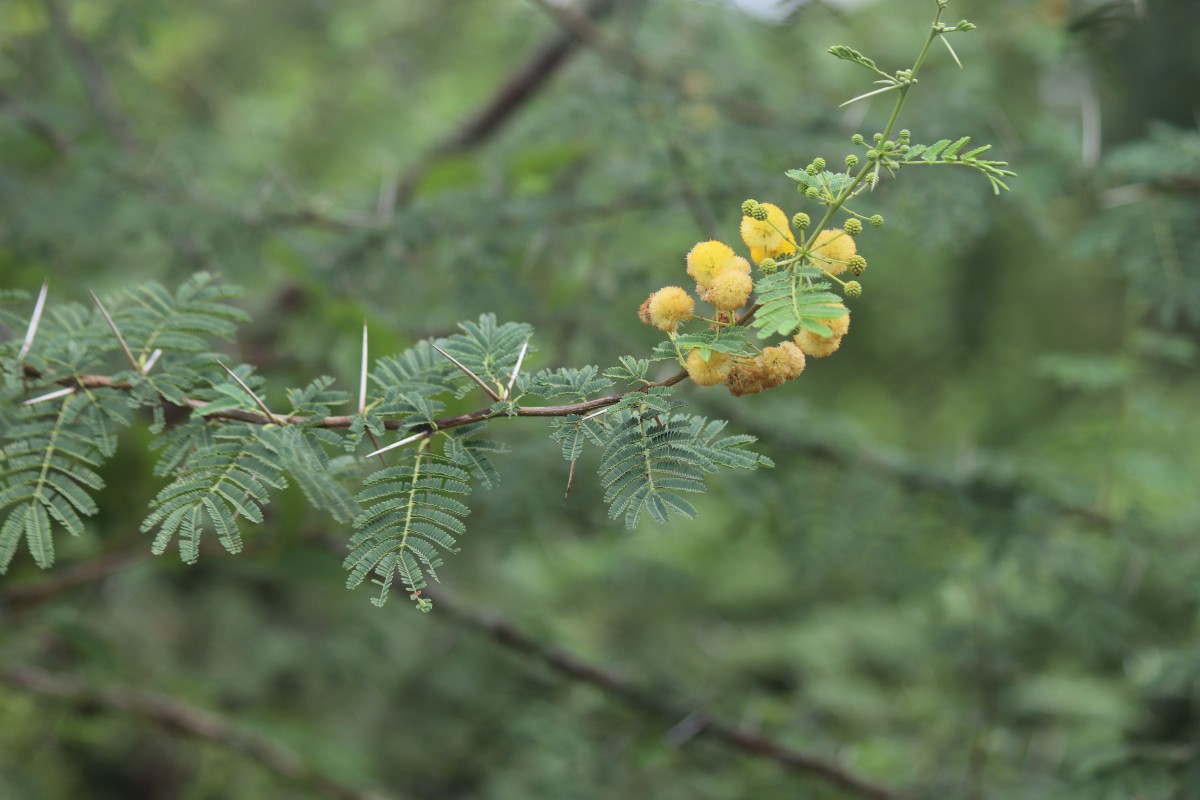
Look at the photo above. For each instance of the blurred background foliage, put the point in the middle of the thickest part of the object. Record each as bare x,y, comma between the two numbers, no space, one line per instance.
975,572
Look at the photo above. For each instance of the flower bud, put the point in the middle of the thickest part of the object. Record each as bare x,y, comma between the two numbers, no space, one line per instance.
853,289
853,226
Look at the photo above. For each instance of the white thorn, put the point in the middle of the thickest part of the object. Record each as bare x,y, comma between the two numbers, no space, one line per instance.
34,321
51,396
394,445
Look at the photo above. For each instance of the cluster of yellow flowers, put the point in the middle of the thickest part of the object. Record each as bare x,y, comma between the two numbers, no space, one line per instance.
723,280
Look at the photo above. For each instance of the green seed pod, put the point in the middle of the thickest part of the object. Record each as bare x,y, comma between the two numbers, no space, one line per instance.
877,220
853,289
853,226
856,264
801,220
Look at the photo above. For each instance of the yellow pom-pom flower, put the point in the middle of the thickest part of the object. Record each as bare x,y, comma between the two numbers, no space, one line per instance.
831,250
731,289
771,235
667,307
784,362
818,346
706,260
710,372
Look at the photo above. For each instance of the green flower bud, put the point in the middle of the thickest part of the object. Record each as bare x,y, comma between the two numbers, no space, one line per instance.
877,220
748,207
768,265
812,192
801,220
904,149
853,226
856,264
963,25
759,212
889,145
811,169
877,138
905,136
857,138
853,289
852,160
872,154
872,179
819,163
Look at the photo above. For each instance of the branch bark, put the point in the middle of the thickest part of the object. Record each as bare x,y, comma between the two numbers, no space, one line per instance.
179,717
639,700
509,98
95,80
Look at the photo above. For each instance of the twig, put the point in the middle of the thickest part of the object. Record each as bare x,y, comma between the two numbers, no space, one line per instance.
509,98
645,702
31,593
180,717
36,125
95,80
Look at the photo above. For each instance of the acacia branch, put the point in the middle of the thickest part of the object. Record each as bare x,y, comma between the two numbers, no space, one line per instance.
565,663
39,127
509,97
180,717
95,80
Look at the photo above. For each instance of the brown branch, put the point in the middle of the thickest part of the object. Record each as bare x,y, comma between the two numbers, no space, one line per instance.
255,418
43,130
31,593
629,61
180,717
510,97
95,80
642,701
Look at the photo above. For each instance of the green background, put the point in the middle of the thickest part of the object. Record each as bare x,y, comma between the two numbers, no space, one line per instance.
974,572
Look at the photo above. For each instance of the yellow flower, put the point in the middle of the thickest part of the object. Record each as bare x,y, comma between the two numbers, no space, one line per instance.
707,259
784,362
711,372
666,308
731,289
819,346
832,249
770,234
